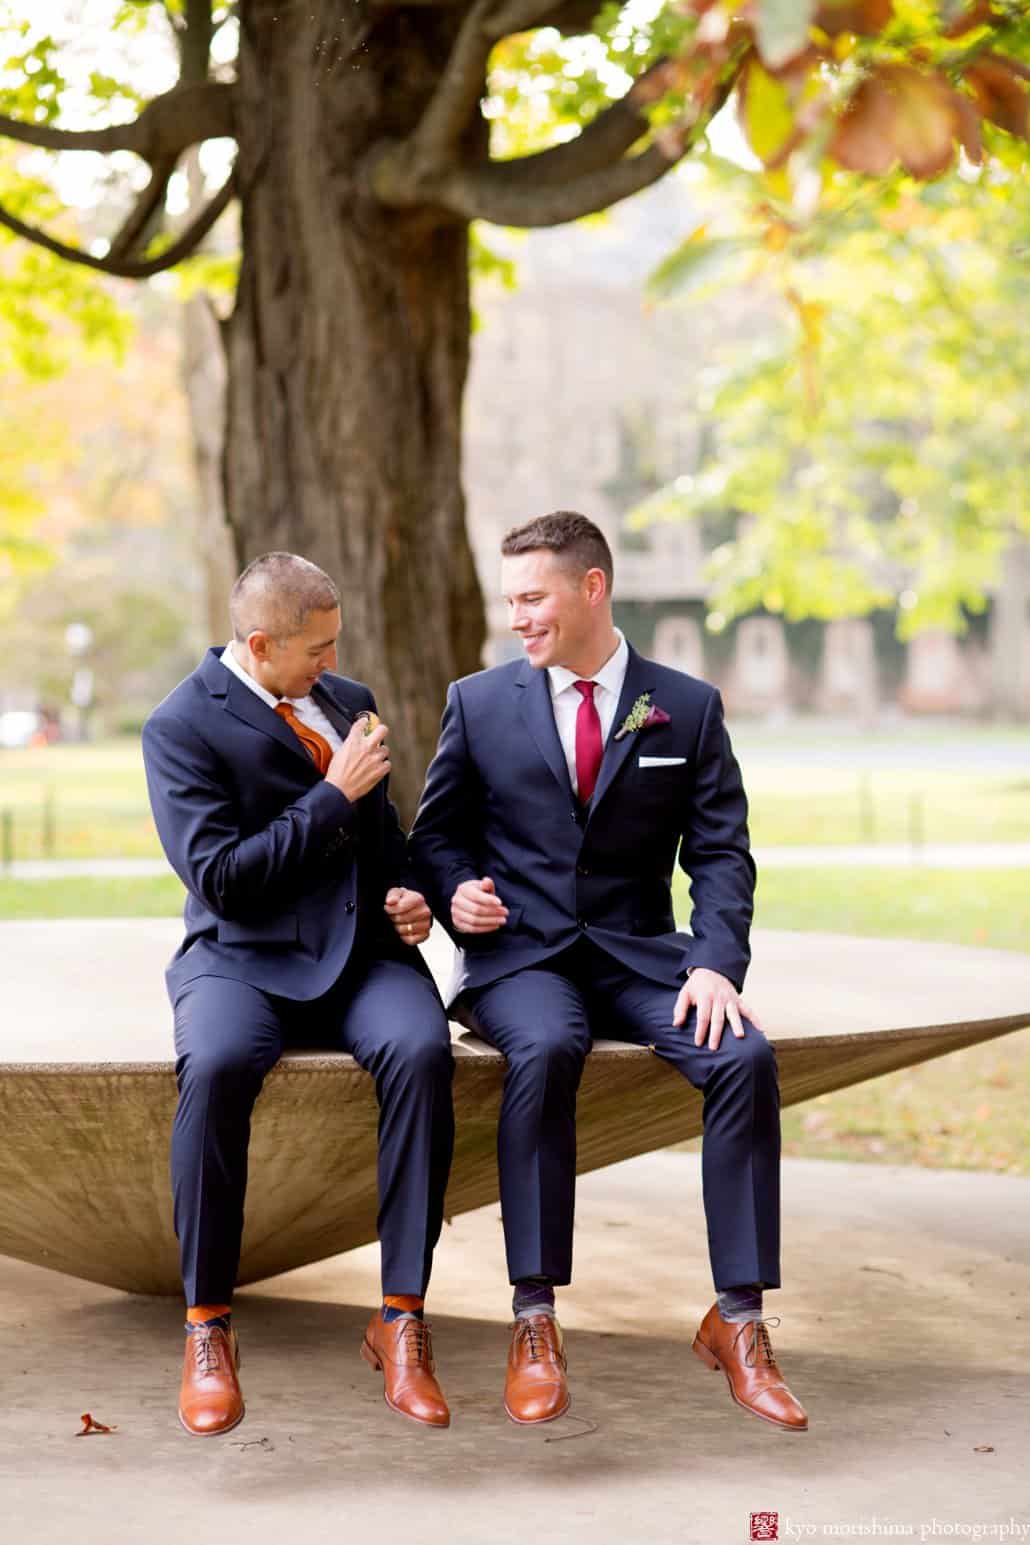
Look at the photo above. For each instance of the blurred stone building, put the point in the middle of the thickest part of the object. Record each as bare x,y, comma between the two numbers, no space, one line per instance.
583,397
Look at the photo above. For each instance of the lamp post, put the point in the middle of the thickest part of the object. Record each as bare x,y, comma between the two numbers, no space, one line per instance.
78,638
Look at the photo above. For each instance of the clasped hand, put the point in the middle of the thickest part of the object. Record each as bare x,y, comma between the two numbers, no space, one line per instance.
409,914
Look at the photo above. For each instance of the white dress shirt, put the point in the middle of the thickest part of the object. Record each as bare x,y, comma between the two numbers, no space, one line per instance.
306,709
565,700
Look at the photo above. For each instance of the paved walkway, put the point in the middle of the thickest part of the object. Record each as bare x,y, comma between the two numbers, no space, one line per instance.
905,1330
934,855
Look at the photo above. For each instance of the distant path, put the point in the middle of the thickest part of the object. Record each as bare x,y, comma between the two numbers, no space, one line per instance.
932,855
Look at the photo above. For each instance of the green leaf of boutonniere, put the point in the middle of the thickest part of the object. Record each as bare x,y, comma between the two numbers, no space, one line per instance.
637,716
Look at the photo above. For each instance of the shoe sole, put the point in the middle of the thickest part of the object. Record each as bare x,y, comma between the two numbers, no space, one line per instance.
373,1362
537,1421
710,1360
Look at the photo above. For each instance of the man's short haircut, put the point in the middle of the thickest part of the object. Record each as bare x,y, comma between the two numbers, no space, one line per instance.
573,538
277,593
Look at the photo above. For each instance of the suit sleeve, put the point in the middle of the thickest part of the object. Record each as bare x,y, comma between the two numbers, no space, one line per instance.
439,853
715,854
235,876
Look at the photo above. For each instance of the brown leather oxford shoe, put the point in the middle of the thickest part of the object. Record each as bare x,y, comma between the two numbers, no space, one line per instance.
402,1350
210,1398
744,1353
536,1388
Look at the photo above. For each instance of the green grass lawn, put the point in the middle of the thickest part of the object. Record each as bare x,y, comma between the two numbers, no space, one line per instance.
158,896
825,805
93,798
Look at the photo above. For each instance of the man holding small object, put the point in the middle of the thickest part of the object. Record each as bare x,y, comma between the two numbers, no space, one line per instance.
267,775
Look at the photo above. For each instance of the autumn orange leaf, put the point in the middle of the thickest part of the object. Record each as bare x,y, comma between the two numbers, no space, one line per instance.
1000,94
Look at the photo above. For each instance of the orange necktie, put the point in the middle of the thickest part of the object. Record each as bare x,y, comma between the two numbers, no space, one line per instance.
316,745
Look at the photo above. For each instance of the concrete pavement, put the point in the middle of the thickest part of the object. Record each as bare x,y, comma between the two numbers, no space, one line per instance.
905,1330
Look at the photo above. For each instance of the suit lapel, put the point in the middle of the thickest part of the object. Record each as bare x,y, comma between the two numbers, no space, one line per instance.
244,704
341,718
534,691
617,752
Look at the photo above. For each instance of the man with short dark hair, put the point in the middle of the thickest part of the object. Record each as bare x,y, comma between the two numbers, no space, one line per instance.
562,790
267,775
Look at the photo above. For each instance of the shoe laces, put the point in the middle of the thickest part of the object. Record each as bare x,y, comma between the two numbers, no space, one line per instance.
760,1348
417,1342
539,1338
207,1350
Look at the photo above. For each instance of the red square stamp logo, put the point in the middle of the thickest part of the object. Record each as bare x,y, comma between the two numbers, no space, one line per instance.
765,1526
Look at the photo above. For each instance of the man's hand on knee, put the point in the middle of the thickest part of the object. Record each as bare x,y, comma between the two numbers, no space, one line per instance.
717,1002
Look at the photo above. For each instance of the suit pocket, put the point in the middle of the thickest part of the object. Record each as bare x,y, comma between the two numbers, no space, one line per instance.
272,930
483,943
652,927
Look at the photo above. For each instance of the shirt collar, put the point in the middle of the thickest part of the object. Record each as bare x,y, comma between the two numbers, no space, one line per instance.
611,675
231,663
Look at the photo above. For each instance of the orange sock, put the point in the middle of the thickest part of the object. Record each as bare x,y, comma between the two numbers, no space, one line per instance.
407,1303
201,1312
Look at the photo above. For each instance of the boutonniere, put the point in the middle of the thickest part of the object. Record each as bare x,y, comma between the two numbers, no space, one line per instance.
641,716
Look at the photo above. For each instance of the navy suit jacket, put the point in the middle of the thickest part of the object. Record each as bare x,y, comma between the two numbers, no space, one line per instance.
283,873
498,801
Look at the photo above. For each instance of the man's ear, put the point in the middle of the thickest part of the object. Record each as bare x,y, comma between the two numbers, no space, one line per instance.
596,586
260,644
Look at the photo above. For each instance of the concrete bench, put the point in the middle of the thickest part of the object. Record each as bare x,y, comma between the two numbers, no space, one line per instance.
87,1090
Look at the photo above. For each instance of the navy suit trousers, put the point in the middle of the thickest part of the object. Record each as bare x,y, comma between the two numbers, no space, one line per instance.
544,1020
229,1034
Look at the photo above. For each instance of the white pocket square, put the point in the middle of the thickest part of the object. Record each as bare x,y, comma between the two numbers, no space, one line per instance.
661,761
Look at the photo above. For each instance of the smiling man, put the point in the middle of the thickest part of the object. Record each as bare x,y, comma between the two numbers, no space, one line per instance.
268,780
563,789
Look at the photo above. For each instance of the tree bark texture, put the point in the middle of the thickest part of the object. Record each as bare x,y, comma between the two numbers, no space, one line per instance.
203,371
347,354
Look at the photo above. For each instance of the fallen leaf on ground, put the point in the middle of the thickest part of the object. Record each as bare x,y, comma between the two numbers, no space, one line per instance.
90,1425
984,1448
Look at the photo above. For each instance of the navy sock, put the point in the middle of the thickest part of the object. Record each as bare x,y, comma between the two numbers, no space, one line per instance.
390,1314
739,1305
223,1322
533,1295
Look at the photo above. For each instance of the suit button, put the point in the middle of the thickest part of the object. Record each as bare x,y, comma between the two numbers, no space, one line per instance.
582,923
349,907
582,869
343,836
574,816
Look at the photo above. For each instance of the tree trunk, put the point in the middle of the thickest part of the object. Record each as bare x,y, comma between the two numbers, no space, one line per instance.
204,379
347,355
1010,635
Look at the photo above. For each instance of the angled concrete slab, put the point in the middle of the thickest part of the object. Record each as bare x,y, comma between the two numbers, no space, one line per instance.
87,1091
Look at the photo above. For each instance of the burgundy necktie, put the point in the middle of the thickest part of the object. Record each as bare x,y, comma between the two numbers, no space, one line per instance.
589,748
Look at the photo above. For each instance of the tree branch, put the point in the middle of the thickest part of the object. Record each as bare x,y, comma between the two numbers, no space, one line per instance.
134,229
195,42
602,142
139,268
167,126
455,101
499,192
480,194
